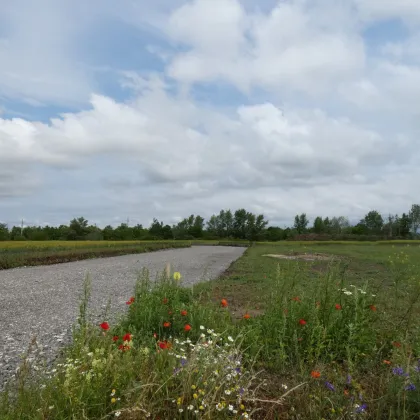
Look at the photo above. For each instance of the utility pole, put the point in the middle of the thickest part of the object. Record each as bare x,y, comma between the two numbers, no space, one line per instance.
21,228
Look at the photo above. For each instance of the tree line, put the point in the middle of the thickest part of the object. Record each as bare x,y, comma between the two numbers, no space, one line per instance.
239,224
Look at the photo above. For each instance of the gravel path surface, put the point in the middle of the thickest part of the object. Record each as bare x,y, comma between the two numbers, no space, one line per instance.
43,301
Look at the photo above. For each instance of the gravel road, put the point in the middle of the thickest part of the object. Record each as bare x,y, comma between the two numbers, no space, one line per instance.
43,301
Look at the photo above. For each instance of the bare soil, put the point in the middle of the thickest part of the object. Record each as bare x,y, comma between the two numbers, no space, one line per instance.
303,257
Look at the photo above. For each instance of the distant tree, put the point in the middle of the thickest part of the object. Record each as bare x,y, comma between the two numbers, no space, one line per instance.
319,226
339,224
108,233
139,232
414,216
274,233
301,223
327,225
167,232
390,225
78,228
374,222
240,220
4,232
404,225
156,229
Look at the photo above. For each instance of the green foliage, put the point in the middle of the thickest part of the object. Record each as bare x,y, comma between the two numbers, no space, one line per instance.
414,217
301,223
336,339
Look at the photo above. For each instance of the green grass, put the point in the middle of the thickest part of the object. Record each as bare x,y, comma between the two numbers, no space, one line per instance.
323,340
19,254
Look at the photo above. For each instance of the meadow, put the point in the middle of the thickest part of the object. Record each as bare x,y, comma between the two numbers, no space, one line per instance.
28,253
336,337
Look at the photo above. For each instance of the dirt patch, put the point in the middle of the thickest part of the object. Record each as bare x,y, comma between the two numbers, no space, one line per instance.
304,257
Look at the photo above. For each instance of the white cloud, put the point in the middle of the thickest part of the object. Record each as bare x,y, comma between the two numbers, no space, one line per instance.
408,10
163,153
37,52
159,149
293,46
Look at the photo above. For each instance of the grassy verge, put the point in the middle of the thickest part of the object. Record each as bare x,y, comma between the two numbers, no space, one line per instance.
272,339
19,254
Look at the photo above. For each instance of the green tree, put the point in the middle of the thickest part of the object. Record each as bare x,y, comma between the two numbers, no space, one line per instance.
78,228
404,225
240,220
4,232
301,223
319,226
414,216
374,222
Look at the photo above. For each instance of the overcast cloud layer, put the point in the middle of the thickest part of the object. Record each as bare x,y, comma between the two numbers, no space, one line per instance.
111,110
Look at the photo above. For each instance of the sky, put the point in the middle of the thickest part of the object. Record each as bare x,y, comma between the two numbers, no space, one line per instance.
137,109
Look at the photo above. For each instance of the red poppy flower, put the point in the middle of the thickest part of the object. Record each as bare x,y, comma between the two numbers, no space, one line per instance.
163,345
184,313
105,326
123,348
315,374
372,308
338,307
302,322
224,303
166,324
130,301
247,316
127,337
155,335
396,344
115,338
296,299
187,328
165,301
387,362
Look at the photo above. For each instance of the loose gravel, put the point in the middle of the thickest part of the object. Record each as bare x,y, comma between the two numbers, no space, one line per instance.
43,302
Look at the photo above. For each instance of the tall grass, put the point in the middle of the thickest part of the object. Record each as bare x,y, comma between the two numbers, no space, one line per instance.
323,349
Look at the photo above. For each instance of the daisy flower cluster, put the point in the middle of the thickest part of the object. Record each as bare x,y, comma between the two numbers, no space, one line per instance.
210,376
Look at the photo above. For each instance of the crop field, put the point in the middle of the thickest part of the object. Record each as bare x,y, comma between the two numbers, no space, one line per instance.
27,253
290,331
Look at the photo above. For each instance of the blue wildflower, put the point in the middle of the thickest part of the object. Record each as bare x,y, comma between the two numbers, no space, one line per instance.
361,408
410,387
330,386
399,371
183,362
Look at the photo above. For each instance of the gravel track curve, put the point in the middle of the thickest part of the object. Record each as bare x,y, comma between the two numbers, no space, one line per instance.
43,301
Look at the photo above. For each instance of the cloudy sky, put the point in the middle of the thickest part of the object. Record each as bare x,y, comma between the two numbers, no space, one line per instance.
135,108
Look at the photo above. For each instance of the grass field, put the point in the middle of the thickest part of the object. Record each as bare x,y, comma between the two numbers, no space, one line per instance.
335,338
27,253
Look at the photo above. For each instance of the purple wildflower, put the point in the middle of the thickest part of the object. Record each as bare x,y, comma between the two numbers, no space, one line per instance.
399,371
330,386
183,362
410,387
238,370
361,408
348,379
